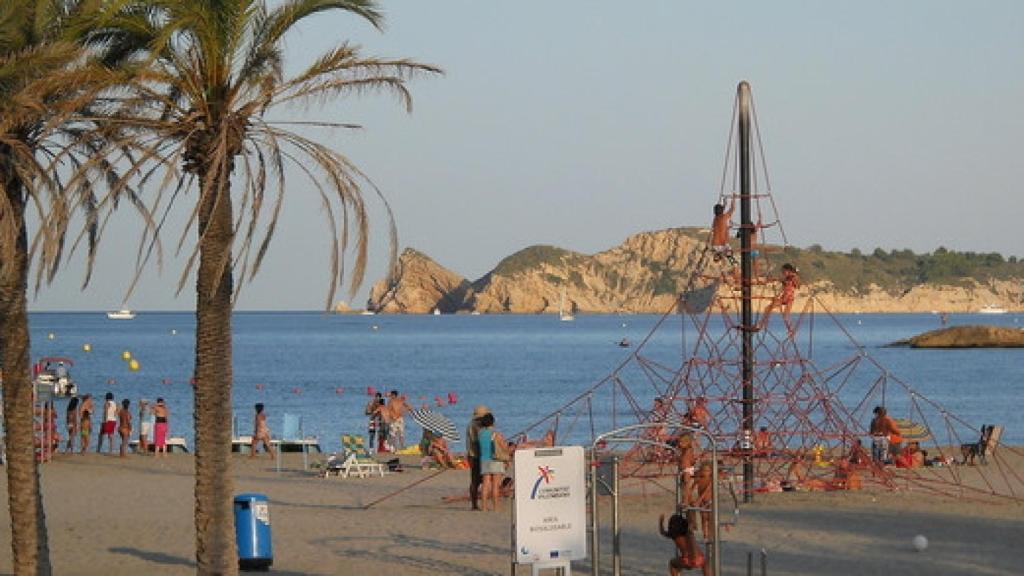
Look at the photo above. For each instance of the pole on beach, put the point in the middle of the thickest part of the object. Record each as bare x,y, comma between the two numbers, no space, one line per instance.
746,270
403,489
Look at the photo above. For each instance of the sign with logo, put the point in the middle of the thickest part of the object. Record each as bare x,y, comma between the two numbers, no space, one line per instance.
551,505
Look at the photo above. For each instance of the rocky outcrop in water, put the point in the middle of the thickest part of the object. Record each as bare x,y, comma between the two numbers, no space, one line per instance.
644,275
968,337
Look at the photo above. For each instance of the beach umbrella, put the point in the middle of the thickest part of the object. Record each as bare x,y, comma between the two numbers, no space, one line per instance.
913,431
435,422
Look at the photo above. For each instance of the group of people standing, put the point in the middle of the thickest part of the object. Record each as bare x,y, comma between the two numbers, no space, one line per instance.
487,452
386,427
152,418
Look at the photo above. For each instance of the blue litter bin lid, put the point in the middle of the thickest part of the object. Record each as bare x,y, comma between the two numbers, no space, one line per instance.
250,497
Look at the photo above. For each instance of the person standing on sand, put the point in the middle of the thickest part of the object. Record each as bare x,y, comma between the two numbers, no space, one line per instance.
160,426
885,436
145,426
124,425
109,424
491,469
393,422
71,421
372,412
85,422
260,433
473,454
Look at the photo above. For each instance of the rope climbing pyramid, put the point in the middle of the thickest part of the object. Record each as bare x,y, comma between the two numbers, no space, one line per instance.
791,411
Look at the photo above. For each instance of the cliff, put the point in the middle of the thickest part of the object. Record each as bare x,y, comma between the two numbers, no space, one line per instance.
646,272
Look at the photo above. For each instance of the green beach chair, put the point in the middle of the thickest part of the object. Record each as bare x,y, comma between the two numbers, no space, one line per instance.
358,460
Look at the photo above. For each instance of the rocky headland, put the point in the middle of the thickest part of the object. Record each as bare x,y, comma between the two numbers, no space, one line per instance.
645,274
967,337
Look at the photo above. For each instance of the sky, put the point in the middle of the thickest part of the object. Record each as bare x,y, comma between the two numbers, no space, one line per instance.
581,122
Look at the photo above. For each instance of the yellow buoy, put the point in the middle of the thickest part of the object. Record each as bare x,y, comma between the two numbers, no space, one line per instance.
133,365
126,355
87,347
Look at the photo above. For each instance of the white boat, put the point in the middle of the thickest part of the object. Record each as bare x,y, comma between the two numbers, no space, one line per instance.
565,314
437,311
991,309
122,314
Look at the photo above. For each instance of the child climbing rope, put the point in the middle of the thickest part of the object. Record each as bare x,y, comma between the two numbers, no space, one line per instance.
790,282
688,554
720,232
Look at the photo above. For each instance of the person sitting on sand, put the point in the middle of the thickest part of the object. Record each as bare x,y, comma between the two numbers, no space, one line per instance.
439,451
545,441
790,282
910,457
688,554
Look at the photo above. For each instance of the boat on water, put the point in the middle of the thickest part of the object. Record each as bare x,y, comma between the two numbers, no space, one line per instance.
51,376
992,309
122,314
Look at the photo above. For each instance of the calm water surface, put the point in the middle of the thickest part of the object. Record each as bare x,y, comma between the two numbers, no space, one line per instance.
524,367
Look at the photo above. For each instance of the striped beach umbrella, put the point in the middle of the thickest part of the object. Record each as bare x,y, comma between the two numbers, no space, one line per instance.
435,422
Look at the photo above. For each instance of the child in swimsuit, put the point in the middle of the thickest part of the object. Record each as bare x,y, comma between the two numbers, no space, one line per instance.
688,554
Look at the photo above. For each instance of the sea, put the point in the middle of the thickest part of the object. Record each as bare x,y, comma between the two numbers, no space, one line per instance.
321,367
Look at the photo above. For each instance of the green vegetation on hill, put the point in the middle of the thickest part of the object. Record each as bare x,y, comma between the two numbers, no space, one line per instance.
898,270
532,258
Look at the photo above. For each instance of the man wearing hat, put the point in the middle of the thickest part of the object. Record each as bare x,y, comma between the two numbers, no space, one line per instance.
472,453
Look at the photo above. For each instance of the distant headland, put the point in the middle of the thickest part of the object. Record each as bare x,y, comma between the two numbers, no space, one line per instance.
645,273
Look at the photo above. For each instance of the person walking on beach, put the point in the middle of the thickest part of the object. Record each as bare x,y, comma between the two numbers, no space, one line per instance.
124,425
71,422
145,426
260,432
85,422
160,425
473,454
109,424
394,416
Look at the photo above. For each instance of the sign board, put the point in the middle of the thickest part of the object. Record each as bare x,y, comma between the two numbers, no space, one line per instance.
551,505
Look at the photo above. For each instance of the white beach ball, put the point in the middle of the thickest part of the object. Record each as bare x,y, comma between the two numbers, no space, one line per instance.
920,543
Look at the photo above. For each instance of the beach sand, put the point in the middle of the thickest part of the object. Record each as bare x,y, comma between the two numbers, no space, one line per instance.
108,515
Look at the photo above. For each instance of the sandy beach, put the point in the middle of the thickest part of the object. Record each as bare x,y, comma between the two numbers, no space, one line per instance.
108,515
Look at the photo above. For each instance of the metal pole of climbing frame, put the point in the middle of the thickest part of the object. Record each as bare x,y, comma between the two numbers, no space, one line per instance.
746,273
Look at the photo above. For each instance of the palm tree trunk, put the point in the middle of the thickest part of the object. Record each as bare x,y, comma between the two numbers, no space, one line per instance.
29,548
215,543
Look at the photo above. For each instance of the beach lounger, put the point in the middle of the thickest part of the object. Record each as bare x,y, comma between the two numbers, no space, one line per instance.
358,461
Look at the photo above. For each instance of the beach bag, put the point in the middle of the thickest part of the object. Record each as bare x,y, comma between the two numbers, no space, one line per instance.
500,451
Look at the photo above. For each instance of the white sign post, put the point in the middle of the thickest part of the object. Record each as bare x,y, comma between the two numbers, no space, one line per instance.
551,506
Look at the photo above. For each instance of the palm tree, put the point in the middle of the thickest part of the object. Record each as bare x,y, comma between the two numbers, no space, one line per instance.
201,105
46,77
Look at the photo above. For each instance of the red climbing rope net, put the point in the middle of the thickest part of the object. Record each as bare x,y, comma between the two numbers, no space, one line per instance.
813,401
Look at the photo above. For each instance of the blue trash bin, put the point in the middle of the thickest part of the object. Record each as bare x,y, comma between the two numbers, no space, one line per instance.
252,532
